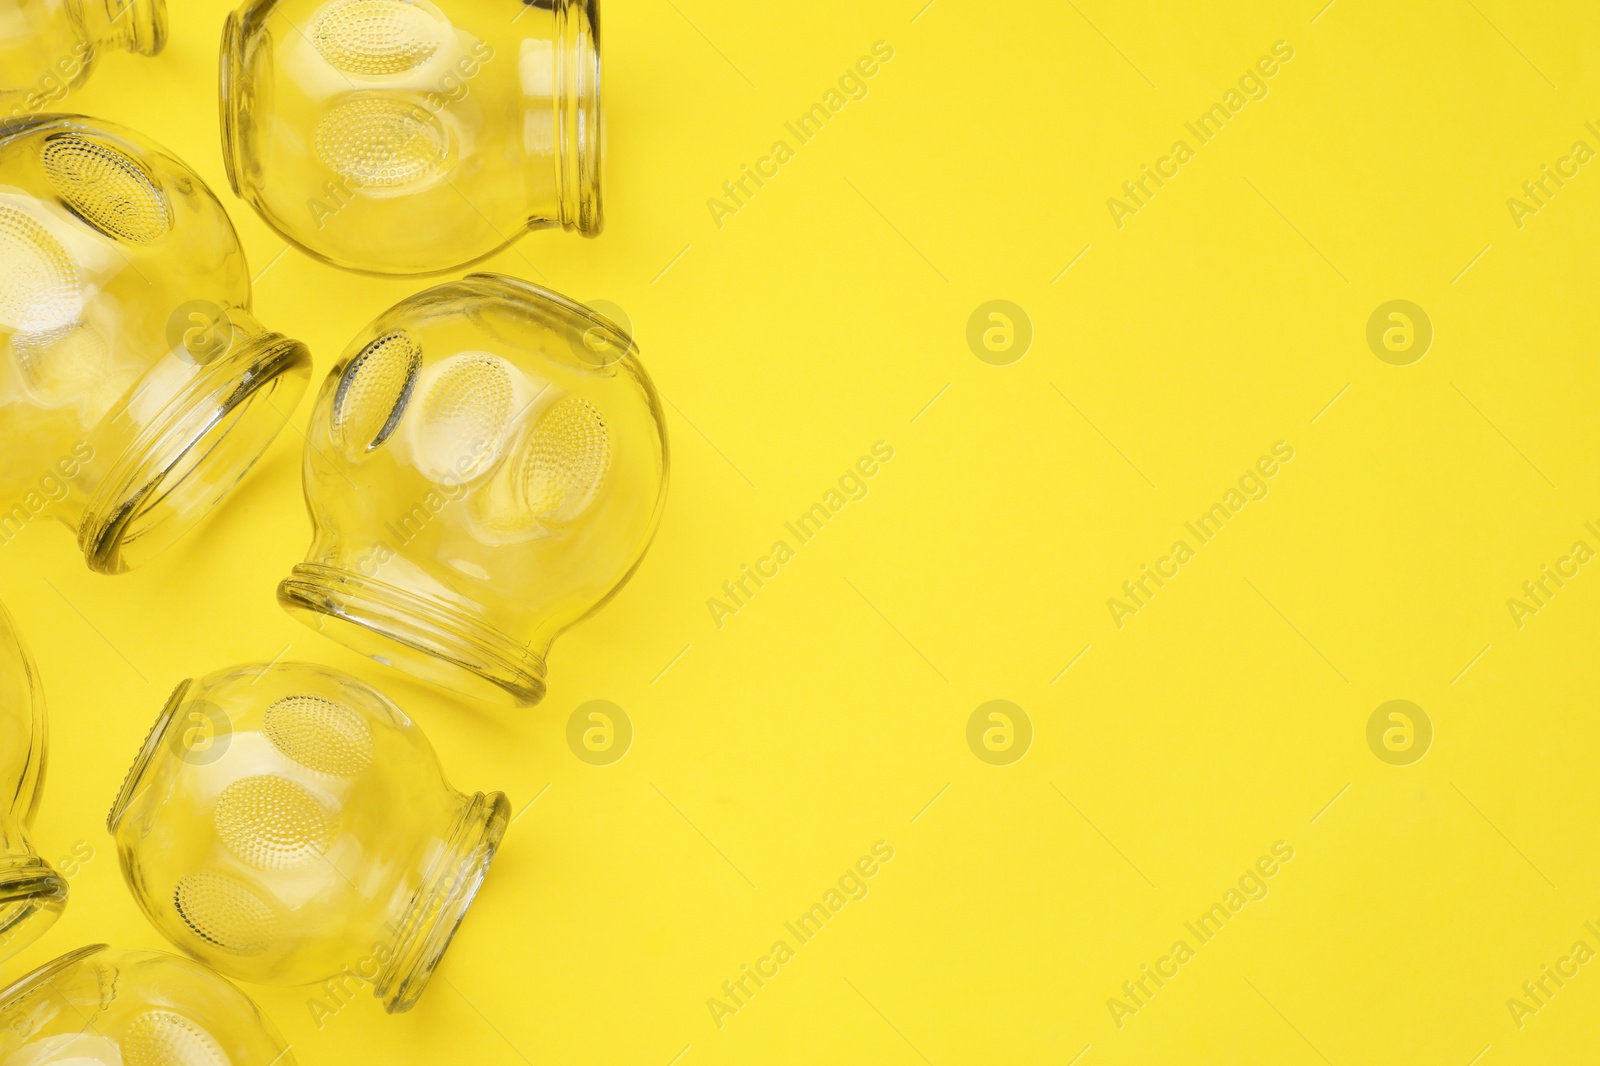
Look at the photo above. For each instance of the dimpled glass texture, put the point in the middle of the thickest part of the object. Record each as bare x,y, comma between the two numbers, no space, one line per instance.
412,136
31,893
136,389
100,1007
286,824
486,465
47,47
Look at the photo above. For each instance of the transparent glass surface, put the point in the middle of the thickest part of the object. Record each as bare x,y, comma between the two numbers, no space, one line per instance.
412,136
100,1007
288,824
31,893
485,466
136,389
47,47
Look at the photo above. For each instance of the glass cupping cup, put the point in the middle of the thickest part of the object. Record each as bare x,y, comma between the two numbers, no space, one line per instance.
287,823
47,47
485,466
136,388
413,136
31,893
101,1007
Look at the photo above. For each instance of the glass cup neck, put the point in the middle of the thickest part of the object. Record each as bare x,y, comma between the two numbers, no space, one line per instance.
31,894
564,120
181,439
445,643
429,922
137,26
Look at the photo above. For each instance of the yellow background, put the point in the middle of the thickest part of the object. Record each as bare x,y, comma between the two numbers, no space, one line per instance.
825,716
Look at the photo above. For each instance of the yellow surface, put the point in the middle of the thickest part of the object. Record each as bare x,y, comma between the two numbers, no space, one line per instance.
828,713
